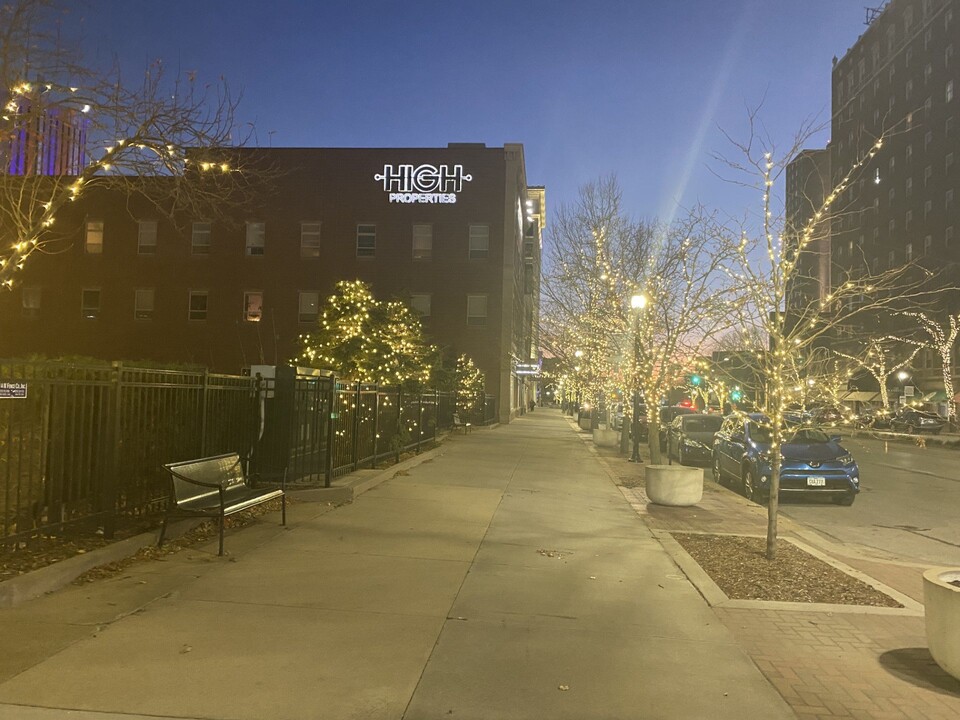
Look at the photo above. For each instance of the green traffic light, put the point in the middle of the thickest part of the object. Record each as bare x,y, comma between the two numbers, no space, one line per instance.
696,380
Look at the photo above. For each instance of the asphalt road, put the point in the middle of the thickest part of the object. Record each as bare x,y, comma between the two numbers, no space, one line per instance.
908,507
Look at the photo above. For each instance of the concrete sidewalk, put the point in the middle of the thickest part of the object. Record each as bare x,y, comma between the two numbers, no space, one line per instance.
506,577
827,662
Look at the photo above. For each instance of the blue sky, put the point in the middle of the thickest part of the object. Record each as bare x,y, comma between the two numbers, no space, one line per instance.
638,88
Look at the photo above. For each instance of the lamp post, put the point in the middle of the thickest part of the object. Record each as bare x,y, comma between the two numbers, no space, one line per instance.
638,303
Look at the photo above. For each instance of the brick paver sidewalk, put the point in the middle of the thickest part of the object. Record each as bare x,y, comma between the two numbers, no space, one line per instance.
861,665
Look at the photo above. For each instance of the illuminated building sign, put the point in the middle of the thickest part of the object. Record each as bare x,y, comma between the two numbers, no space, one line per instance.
527,369
423,183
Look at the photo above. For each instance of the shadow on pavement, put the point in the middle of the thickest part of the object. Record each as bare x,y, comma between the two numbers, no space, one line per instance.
917,666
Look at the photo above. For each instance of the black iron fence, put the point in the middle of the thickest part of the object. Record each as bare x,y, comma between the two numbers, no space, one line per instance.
84,444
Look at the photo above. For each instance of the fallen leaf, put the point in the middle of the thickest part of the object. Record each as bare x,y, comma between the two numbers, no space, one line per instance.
563,687
185,649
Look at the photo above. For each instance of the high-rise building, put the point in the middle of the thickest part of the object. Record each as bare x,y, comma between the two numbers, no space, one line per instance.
808,185
900,82
455,231
42,140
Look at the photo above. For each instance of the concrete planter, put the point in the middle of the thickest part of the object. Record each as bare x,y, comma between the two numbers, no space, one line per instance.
674,484
604,437
941,603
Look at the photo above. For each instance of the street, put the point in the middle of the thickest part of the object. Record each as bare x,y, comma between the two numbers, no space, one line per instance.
907,505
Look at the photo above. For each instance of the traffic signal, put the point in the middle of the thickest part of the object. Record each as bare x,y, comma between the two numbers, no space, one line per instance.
736,395
696,380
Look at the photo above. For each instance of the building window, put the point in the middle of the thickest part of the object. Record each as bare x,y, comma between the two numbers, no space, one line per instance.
200,238
948,162
948,91
927,139
927,243
30,297
143,304
891,226
947,55
891,194
908,57
927,72
422,242
908,220
909,153
908,252
948,236
908,90
309,307
147,237
252,306
908,189
93,242
479,242
948,127
256,238
421,303
198,305
948,200
927,174
90,303
927,209
476,309
891,258
366,240
309,239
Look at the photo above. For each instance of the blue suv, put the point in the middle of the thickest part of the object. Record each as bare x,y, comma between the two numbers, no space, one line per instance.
813,463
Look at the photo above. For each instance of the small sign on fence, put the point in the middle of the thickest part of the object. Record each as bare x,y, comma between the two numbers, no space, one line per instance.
13,390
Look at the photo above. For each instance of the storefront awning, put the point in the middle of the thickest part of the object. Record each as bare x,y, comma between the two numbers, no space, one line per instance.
937,396
860,396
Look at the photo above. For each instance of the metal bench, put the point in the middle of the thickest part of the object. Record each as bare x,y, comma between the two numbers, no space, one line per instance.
215,487
458,424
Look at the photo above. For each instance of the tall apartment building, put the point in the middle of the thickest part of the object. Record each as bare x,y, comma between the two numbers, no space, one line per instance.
901,82
42,140
808,185
456,231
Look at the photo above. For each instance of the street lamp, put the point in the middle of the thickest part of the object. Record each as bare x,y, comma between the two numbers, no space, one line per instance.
639,303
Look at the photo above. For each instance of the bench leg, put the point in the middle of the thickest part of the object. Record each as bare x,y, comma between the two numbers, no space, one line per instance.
221,534
283,509
163,531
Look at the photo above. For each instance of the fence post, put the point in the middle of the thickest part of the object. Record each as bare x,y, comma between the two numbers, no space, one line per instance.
331,416
436,413
204,392
111,484
376,426
356,428
399,443
419,419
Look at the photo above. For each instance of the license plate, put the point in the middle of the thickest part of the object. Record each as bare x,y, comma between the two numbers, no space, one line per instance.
816,482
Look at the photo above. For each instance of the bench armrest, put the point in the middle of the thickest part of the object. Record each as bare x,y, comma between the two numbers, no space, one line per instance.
192,481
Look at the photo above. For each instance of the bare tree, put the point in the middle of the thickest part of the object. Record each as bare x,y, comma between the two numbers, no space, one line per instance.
161,137
881,359
941,337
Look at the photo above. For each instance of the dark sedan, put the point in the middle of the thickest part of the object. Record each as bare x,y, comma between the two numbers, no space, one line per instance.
690,438
667,414
812,462
915,421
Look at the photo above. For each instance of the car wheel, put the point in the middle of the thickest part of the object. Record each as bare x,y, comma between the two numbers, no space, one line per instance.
750,491
717,473
846,500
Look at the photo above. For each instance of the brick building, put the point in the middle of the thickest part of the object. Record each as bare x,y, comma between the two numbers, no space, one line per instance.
456,231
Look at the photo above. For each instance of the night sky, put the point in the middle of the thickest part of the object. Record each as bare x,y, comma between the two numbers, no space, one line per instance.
640,89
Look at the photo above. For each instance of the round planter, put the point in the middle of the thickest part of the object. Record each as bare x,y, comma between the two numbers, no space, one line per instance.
604,437
675,485
941,603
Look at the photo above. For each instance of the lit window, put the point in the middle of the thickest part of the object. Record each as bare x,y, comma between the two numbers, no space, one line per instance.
31,302
256,236
93,243
927,243
252,306
366,240
200,238
309,307
476,309
422,242
143,304
909,187
908,220
90,303
948,200
198,305
908,252
927,209
479,242
927,174
948,91
147,237
891,258
421,303
310,239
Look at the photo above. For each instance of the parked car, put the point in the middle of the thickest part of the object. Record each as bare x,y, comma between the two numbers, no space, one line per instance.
812,462
873,418
690,438
667,414
827,415
796,414
916,421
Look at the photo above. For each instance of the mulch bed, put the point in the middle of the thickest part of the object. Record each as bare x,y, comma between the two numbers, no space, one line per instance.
739,566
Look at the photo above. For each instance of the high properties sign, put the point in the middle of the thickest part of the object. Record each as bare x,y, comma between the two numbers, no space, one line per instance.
423,183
